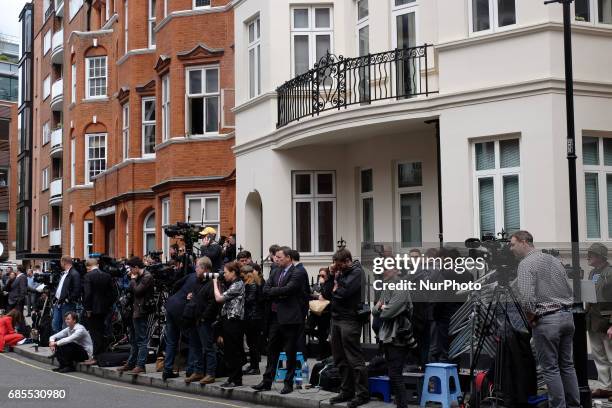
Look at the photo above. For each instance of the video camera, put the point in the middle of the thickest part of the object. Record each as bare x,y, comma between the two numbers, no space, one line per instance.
113,267
496,253
163,273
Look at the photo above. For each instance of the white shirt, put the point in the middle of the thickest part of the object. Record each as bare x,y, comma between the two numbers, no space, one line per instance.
79,335
58,291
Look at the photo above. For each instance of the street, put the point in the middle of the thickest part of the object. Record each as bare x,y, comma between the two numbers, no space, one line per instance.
19,373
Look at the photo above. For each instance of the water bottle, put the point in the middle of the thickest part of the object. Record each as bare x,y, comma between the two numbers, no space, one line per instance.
305,373
298,381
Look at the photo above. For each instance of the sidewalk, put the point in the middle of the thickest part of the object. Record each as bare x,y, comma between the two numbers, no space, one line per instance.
312,398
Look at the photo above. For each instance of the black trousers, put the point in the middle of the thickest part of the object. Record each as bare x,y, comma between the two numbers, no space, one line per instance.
69,354
96,326
233,350
253,330
282,337
348,357
396,359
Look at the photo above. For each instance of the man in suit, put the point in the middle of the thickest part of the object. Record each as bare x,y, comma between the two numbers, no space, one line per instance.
67,294
99,295
19,290
285,293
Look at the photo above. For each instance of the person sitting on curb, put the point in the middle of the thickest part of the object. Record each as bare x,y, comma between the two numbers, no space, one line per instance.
71,345
8,337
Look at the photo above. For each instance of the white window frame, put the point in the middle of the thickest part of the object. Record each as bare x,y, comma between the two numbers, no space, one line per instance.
46,133
125,25
602,172
72,162
165,8
593,14
493,19
165,221
44,225
312,32
125,131
152,17
72,239
46,87
361,23
363,196
88,180
47,42
313,198
45,179
201,7
87,235
88,78
254,46
497,174
204,95
147,231
398,199
107,10
166,107
206,220
74,7
148,123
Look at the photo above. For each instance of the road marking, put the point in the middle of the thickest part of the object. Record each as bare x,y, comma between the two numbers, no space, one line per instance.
122,386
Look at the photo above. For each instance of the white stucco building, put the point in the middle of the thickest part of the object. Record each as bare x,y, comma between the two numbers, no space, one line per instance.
492,76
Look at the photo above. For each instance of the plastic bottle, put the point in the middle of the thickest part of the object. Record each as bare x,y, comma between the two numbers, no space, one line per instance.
305,373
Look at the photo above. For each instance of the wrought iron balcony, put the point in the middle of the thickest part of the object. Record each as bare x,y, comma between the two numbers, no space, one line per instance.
338,82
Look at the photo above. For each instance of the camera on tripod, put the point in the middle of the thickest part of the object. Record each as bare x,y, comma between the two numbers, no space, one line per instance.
497,254
113,267
189,232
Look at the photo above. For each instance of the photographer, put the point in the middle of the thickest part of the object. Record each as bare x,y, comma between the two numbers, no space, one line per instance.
346,329
99,296
229,249
253,316
232,314
67,294
71,345
395,310
547,300
141,291
211,249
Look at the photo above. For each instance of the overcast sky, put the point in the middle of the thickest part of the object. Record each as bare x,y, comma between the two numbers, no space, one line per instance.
9,17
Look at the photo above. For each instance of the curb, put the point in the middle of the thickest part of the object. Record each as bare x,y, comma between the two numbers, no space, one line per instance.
319,399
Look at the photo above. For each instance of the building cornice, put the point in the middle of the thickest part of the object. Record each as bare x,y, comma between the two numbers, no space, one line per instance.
86,34
128,195
125,163
79,187
190,180
193,139
417,108
131,53
254,101
195,12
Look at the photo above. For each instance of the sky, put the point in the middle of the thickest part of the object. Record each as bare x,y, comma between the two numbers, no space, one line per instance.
9,17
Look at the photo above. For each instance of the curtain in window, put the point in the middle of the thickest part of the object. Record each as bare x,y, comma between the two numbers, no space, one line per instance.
607,151
512,213
592,205
509,153
590,151
485,156
605,11
506,12
486,205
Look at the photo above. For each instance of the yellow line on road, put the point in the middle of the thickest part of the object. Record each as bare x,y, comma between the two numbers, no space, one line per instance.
122,386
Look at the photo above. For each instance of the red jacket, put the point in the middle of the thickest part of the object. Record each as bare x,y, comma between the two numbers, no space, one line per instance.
6,326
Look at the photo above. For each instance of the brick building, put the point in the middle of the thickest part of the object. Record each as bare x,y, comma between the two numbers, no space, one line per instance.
132,123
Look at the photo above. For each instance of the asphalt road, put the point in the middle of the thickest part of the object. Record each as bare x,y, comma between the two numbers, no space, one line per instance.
84,391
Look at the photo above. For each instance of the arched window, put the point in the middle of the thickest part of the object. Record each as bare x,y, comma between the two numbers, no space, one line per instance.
149,233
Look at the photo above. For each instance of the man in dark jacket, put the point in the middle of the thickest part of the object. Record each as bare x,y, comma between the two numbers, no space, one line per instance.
99,295
67,294
211,249
19,290
346,329
285,292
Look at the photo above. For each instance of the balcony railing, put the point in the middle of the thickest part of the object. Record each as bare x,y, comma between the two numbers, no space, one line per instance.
55,192
57,95
55,237
57,43
56,142
338,82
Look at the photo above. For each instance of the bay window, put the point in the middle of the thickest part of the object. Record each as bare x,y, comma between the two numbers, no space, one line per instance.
152,23
597,163
202,100
584,10
254,49
148,127
311,36
165,107
125,131
204,210
95,153
96,77
489,15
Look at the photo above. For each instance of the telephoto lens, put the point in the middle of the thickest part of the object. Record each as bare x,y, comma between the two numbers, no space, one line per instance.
211,275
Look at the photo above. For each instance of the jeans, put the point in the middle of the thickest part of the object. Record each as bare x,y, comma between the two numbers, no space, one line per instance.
138,341
173,333
348,357
553,337
208,347
58,316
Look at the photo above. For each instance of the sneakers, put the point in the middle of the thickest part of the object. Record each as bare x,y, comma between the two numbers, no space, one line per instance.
355,402
209,379
262,386
169,374
125,368
137,370
340,398
194,377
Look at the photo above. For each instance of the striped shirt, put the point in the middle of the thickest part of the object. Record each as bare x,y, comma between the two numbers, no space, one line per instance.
543,284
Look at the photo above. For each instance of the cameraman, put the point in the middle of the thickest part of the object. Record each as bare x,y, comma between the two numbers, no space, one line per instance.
67,294
547,300
346,329
141,290
211,249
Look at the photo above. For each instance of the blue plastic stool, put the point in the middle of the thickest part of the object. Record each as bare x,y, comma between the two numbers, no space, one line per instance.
445,387
281,369
380,386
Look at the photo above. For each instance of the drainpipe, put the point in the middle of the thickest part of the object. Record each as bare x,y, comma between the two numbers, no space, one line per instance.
436,122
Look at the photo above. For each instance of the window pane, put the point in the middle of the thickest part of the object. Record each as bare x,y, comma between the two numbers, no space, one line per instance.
302,184
202,3
591,188
362,9
366,181
212,114
150,224
326,226
590,151
364,40
194,210
149,110
583,12
195,82
212,209
300,48
512,213
406,30
252,32
486,205
323,46
402,2
252,72
480,15
410,223
300,18
303,227
212,80
485,156
609,191
605,11
368,219
410,175
509,153
149,139
322,18
150,244
325,183
607,151
196,115
506,12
